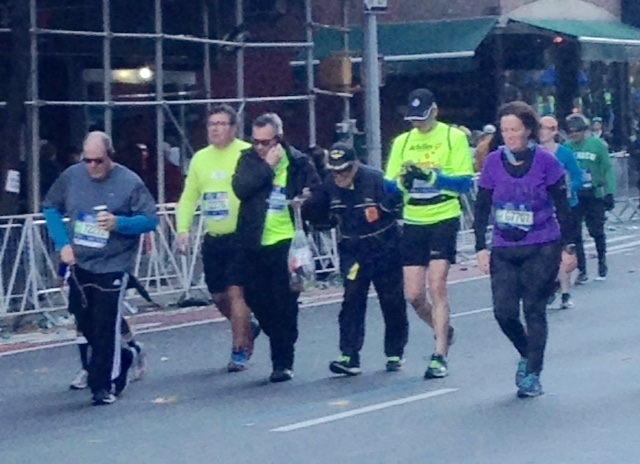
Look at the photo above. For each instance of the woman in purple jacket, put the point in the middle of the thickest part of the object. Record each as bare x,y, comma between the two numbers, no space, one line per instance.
522,187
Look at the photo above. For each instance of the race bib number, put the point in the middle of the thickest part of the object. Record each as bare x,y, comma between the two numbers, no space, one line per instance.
216,205
420,190
87,233
514,216
277,200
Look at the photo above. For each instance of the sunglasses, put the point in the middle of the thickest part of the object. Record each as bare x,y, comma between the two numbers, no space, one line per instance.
263,143
97,161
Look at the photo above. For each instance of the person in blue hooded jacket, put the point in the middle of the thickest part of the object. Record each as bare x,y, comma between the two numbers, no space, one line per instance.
547,137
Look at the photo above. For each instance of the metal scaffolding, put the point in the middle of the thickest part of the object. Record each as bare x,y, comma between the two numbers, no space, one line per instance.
160,102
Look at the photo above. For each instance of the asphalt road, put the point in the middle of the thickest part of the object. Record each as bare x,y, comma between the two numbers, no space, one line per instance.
189,410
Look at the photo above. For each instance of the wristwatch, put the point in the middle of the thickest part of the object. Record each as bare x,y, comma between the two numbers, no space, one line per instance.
570,249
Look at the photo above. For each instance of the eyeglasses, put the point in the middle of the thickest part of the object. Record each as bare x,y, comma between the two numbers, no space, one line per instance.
263,143
551,128
218,124
97,161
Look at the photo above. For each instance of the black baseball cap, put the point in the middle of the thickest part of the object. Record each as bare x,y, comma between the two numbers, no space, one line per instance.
421,102
341,156
577,123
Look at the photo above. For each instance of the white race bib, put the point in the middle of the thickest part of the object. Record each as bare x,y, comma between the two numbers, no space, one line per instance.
216,205
514,216
87,233
277,200
420,190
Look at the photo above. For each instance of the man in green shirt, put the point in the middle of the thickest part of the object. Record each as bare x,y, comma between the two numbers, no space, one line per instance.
209,182
432,165
596,195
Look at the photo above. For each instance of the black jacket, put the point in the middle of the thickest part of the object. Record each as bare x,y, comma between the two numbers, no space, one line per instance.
252,184
366,216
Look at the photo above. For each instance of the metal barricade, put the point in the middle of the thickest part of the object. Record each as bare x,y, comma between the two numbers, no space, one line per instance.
626,194
29,276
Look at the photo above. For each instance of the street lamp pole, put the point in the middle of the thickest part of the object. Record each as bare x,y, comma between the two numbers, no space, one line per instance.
372,81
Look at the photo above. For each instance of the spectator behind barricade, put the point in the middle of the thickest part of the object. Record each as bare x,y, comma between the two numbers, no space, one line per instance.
50,168
489,142
469,135
173,180
319,157
634,155
75,156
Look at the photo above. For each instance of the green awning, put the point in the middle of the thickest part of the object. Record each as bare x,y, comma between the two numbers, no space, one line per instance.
418,41
599,40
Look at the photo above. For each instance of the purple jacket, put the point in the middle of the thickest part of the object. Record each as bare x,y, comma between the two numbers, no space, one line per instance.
522,206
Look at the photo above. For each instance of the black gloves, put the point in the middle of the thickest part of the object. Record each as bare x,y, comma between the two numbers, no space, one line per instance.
411,173
609,202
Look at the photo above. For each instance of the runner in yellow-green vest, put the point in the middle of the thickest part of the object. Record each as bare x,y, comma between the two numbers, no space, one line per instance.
432,166
209,184
267,178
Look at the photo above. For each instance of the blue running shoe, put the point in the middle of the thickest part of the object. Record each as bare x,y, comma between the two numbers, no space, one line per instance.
530,386
238,361
521,373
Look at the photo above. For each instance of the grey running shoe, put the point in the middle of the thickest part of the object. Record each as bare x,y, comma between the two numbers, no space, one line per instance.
80,381
139,368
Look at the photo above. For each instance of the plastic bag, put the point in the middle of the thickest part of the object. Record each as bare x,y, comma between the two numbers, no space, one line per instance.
302,269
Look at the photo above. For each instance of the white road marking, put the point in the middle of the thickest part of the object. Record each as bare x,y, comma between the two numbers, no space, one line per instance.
364,410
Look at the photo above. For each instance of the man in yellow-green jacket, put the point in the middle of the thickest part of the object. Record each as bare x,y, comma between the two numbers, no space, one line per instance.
209,183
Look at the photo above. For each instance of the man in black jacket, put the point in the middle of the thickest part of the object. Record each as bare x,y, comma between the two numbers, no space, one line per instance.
267,178
366,208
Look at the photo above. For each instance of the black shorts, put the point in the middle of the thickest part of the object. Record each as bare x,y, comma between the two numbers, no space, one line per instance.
423,243
223,263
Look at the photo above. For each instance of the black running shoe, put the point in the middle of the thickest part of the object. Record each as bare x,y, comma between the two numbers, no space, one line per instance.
280,375
346,365
566,301
582,278
394,363
437,367
602,270
103,397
